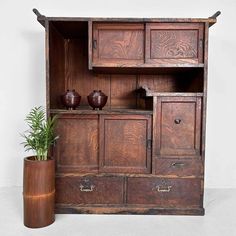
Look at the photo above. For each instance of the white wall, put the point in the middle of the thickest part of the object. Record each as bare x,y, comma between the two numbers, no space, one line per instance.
22,66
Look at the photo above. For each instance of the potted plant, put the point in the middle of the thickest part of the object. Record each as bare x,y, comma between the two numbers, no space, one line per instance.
39,170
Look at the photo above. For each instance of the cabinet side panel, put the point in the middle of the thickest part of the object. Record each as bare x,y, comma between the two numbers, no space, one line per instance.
56,66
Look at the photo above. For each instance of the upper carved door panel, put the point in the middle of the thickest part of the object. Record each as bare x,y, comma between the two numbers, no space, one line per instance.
118,44
174,43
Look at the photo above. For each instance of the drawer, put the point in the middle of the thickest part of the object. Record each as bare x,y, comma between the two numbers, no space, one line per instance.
178,132
174,43
89,190
178,167
164,192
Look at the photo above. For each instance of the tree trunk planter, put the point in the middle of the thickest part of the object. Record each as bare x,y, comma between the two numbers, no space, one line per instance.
38,192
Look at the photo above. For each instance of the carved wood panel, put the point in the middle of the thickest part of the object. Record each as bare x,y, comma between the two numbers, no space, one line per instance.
118,44
77,146
179,126
123,143
174,43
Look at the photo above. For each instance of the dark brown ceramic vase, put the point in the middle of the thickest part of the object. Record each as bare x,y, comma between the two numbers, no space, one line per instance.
38,192
97,99
71,99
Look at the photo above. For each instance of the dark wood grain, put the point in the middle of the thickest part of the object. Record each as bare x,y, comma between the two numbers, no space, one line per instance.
118,43
89,190
178,167
114,111
56,62
118,133
174,43
179,125
164,192
124,210
77,147
125,96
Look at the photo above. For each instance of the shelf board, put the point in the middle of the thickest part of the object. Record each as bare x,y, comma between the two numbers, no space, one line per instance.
89,111
124,175
151,66
146,92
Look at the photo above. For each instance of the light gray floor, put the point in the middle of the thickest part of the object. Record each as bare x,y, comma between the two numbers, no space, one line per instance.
220,219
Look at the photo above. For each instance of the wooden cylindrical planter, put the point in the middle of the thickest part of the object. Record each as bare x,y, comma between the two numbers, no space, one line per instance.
38,192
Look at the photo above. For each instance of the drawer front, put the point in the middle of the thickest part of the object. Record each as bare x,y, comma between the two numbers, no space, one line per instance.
178,167
174,43
164,192
179,126
89,190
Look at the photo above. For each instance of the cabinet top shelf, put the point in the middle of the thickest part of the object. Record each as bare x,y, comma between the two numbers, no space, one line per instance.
211,20
146,92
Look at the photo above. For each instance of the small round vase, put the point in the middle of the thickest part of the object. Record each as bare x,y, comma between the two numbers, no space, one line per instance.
70,99
97,99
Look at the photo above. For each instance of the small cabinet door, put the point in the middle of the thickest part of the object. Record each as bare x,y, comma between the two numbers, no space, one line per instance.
125,143
178,126
174,43
77,146
116,44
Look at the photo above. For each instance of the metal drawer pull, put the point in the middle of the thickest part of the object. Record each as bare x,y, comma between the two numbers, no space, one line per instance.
177,121
177,164
162,189
86,188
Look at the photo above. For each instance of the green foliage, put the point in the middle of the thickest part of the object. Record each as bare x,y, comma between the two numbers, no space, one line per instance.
40,135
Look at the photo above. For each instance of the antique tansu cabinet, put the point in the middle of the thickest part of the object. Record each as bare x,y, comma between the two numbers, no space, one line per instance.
144,152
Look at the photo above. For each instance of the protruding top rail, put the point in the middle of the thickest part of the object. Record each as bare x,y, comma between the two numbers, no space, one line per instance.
214,16
41,18
210,20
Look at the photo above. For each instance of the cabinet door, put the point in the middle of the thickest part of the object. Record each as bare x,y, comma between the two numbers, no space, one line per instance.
125,143
118,44
77,146
174,43
178,126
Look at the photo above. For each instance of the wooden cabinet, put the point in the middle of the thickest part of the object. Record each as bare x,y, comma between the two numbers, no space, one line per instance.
124,143
144,152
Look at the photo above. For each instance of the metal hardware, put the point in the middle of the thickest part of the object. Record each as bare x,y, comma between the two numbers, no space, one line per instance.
162,189
149,144
177,121
201,43
177,164
86,188
95,44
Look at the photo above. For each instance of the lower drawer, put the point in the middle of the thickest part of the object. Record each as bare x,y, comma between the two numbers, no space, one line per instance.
164,192
89,190
178,167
